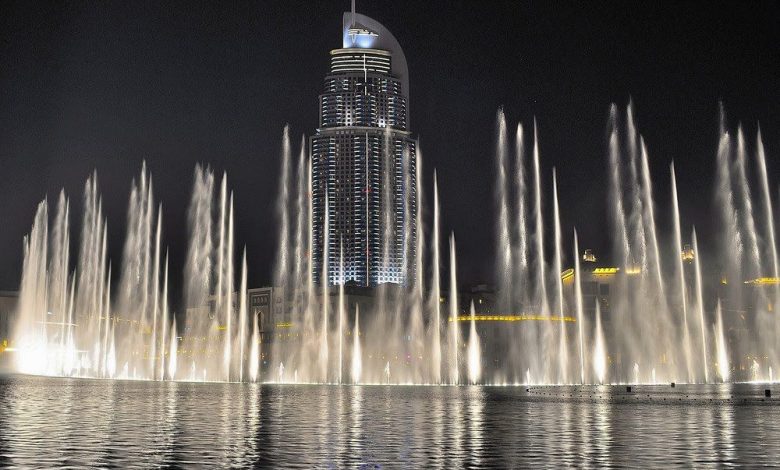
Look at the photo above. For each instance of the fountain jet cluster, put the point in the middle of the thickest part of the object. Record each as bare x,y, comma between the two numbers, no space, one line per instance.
663,319
337,336
655,323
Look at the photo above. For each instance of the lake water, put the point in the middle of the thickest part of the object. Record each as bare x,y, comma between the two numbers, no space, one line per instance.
47,422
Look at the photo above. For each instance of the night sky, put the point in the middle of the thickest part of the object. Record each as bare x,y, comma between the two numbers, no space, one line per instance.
105,85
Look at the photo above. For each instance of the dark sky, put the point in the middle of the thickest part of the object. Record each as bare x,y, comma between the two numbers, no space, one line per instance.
105,85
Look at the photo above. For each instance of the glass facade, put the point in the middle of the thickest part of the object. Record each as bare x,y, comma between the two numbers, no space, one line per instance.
364,197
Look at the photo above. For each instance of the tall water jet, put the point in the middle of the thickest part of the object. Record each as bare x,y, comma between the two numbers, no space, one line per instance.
769,217
138,282
254,352
106,363
165,321
521,255
681,275
227,297
308,355
638,236
342,313
580,306
324,281
242,319
616,191
700,304
747,208
58,286
600,350
474,359
199,264
769,237
30,334
621,250
541,277
357,358
563,352
540,291
284,276
200,267
156,293
731,243
174,353
417,332
503,244
454,328
221,275
302,268
720,346
436,291
283,263
649,214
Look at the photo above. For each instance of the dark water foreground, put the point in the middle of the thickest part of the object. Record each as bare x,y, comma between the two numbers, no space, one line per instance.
47,422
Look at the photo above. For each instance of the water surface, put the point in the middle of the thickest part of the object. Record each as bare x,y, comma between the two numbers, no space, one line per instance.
47,422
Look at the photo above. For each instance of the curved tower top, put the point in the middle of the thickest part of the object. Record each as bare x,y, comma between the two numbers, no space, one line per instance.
362,32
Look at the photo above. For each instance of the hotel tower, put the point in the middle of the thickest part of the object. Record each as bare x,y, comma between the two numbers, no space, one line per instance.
364,198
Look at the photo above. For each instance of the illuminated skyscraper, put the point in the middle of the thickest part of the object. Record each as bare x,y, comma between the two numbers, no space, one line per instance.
363,165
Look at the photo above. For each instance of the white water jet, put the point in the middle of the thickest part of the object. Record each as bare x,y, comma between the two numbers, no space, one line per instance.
254,352
229,310
342,312
769,218
580,306
474,359
541,277
503,244
324,281
357,358
242,318
454,328
649,214
173,354
747,207
436,293
282,204
683,296
720,347
700,304
156,295
600,350
165,322
521,255
769,238
563,352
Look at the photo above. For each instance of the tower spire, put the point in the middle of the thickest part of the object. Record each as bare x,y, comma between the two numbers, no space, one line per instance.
353,14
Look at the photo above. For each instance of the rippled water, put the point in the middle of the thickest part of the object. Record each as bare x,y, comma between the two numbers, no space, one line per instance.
48,422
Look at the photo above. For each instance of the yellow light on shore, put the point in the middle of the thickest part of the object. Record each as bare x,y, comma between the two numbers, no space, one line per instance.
764,281
605,271
512,318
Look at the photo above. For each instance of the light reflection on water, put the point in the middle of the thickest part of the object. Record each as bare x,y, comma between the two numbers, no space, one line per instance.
51,422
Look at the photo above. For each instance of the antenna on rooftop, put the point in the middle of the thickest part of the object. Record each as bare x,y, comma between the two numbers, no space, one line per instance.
353,14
